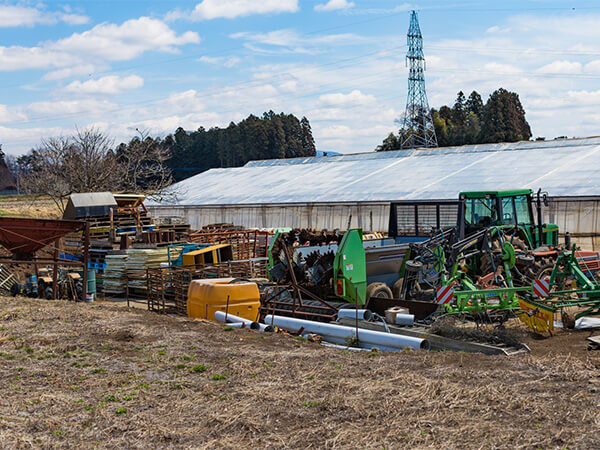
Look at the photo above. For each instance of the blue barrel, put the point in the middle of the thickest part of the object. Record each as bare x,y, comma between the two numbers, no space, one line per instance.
91,281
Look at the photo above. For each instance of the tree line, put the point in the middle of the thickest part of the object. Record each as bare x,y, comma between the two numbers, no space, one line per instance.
88,161
271,136
470,121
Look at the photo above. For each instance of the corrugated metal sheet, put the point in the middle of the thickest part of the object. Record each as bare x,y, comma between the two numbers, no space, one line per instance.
562,167
87,199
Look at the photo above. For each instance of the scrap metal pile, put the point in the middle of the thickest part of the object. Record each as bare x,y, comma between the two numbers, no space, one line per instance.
311,254
492,276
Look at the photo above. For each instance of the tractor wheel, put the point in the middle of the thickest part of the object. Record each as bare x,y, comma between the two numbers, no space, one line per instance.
15,289
542,269
379,290
568,320
397,288
79,291
48,292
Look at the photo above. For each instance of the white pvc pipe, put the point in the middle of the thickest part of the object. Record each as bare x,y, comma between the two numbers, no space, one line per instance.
363,314
342,343
220,316
405,319
236,324
376,338
344,347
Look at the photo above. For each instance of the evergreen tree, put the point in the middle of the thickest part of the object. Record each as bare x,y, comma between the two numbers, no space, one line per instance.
271,136
469,121
504,118
474,104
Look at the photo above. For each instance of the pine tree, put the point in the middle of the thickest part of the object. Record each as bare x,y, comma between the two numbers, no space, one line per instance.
504,118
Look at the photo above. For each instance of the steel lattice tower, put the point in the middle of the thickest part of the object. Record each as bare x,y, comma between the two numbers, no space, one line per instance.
417,127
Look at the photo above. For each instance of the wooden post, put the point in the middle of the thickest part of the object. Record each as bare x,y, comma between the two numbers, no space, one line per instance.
55,269
112,234
86,259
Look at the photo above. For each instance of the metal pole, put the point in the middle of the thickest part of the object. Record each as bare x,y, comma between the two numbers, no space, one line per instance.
55,269
227,309
539,216
86,258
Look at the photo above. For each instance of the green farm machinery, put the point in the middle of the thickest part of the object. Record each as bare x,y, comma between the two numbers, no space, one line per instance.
485,265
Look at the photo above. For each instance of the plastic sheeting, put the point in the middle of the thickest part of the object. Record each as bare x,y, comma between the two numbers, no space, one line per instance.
562,167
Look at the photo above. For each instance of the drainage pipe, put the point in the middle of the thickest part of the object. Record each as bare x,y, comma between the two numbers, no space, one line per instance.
220,316
405,319
363,314
376,338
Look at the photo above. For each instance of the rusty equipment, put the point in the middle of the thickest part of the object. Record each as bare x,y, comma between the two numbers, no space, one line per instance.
23,237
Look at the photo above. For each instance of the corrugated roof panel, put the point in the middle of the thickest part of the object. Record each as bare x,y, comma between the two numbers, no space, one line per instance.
522,145
562,167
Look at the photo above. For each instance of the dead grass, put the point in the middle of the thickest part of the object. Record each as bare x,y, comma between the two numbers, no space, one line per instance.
29,206
80,375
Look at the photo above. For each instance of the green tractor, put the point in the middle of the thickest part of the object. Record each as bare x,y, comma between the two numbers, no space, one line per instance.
511,214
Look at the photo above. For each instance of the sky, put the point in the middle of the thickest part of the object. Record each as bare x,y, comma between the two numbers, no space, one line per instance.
154,66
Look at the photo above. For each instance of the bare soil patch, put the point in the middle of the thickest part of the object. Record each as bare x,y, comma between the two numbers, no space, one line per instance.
98,375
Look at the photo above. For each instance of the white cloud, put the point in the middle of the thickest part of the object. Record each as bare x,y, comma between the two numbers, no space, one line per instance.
230,9
353,98
104,42
561,67
111,84
69,72
289,41
230,62
18,16
8,114
66,107
333,5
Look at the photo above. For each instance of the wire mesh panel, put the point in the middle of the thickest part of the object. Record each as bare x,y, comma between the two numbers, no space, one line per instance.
168,286
405,220
448,216
427,219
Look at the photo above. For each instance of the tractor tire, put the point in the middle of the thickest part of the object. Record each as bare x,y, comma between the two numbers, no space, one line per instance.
541,269
568,320
48,292
15,289
379,290
397,288
79,291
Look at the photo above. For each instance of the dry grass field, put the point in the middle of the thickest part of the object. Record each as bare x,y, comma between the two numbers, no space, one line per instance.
104,376
29,206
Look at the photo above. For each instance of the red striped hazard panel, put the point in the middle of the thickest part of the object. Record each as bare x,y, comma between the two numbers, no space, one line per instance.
444,295
541,288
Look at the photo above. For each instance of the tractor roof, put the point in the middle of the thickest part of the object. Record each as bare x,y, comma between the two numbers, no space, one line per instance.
482,194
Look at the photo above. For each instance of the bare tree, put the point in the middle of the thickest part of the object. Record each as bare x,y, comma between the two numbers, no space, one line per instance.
144,163
84,162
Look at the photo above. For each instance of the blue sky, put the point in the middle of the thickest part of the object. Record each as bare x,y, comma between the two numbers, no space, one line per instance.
157,65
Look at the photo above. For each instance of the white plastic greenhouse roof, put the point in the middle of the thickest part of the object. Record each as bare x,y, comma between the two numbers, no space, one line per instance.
566,167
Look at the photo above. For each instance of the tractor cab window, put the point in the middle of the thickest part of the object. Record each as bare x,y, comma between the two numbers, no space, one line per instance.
522,210
508,211
480,213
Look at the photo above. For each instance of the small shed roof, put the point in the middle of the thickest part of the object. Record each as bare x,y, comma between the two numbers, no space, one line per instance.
87,199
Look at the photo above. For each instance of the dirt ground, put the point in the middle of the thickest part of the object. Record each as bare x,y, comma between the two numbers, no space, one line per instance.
99,375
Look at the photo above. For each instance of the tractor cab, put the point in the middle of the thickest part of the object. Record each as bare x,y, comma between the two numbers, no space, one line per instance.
506,209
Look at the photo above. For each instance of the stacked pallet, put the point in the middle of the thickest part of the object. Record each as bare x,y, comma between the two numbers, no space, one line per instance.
140,259
7,279
114,277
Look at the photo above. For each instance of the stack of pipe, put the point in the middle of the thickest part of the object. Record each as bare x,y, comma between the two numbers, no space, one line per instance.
230,319
339,334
